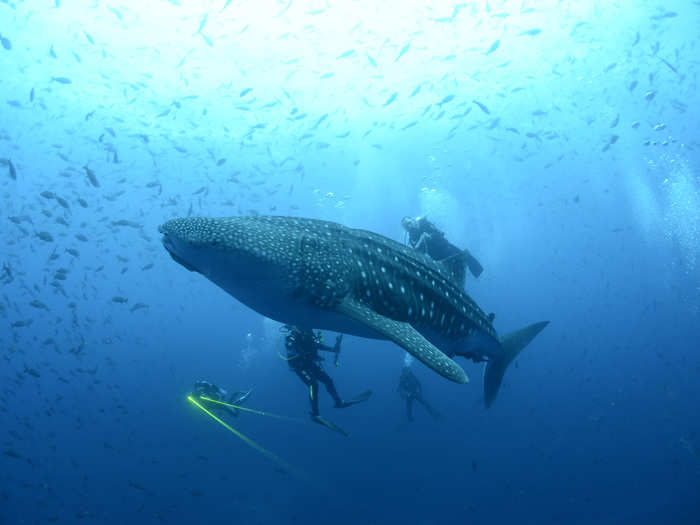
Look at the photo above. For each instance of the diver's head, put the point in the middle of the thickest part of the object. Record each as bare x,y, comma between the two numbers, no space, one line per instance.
410,224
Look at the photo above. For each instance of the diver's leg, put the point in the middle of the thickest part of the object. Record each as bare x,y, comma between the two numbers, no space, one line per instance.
327,381
434,413
409,408
312,384
313,398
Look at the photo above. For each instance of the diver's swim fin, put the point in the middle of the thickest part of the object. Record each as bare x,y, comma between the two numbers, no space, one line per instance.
364,396
474,266
328,424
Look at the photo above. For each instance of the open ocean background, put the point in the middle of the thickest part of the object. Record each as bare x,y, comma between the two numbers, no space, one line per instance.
558,141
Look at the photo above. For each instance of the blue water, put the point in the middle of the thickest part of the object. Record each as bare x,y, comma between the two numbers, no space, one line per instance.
558,141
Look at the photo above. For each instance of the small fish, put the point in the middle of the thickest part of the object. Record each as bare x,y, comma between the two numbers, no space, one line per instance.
13,171
391,98
448,98
346,54
320,120
415,91
5,43
615,121
73,252
669,65
45,236
667,14
119,299
138,306
12,454
61,80
89,37
493,47
82,202
36,303
244,92
530,32
482,107
91,177
126,222
147,267
116,13
22,324
203,22
402,52
31,371
207,40
52,53
31,95
649,96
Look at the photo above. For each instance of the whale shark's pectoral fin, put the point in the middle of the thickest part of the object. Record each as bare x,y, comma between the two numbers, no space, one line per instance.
407,337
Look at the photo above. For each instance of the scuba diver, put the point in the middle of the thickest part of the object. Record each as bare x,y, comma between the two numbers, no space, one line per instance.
411,390
426,238
302,347
205,389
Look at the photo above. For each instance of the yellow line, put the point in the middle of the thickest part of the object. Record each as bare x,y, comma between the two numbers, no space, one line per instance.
273,457
259,412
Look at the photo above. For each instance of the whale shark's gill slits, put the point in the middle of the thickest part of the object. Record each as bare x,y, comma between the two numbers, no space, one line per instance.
324,270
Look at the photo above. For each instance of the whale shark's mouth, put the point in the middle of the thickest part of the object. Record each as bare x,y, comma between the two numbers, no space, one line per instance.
169,245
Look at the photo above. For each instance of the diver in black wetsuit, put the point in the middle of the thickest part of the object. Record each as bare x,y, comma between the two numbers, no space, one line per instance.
411,390
210,390
426,238
302,347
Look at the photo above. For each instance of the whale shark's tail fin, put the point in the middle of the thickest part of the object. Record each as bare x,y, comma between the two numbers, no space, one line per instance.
512,344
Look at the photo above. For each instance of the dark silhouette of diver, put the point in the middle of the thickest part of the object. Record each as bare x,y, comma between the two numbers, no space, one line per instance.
426,238
302,347
211,391
411,390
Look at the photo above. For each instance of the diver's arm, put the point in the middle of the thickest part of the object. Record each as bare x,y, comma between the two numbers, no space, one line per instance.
335,349
422,244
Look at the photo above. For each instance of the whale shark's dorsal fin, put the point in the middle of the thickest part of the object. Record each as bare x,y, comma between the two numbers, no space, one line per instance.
404,335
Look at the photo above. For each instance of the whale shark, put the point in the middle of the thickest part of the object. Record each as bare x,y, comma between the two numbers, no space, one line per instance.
323,275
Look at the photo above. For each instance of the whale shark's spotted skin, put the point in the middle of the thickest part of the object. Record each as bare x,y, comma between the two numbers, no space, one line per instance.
321,274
